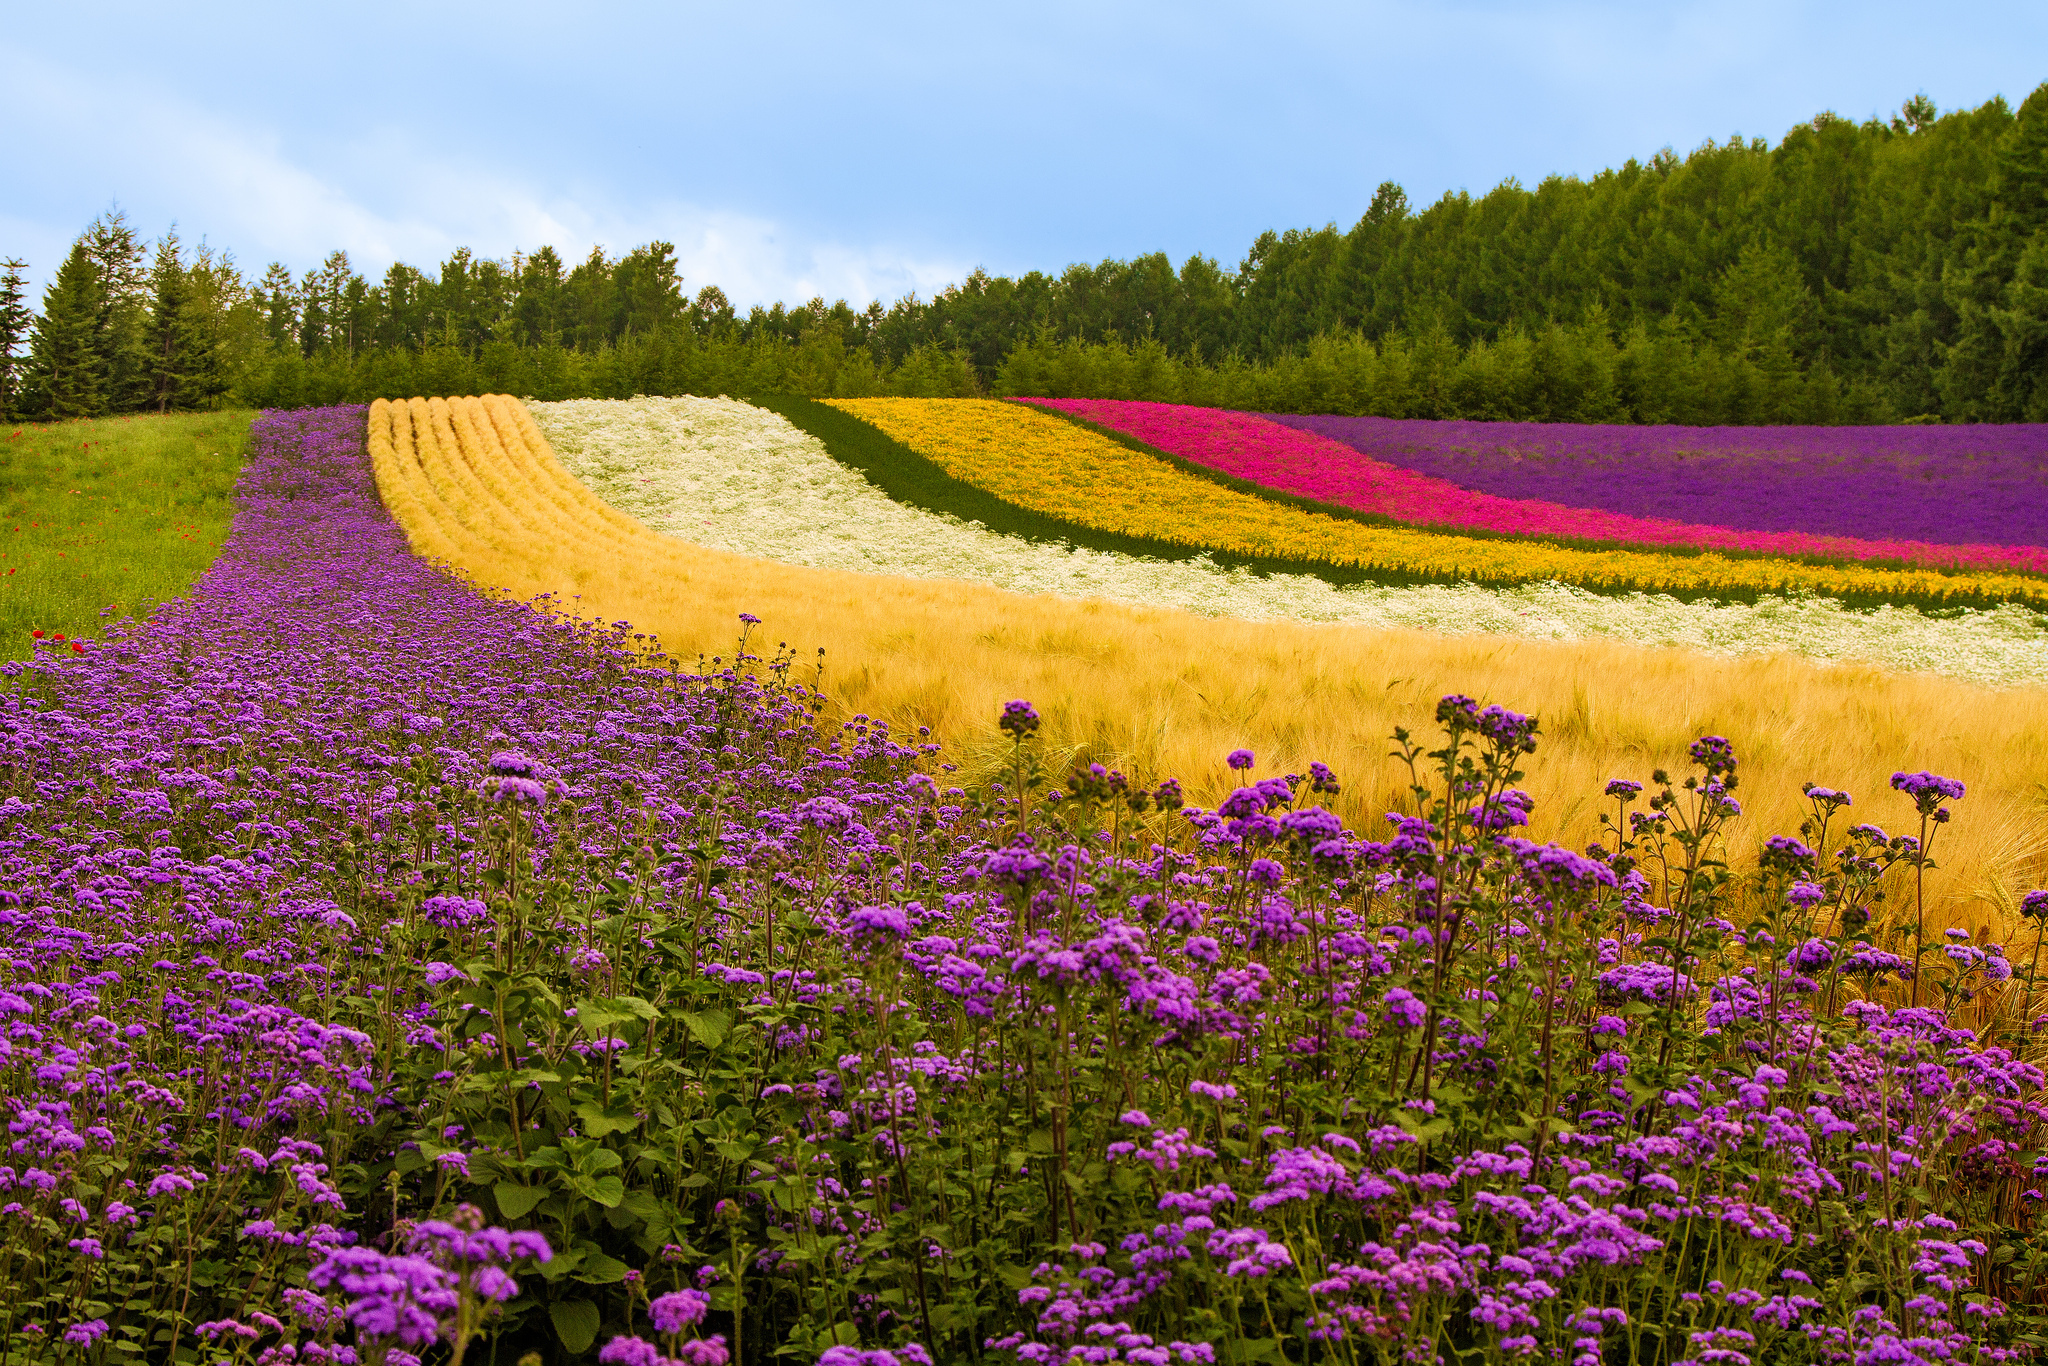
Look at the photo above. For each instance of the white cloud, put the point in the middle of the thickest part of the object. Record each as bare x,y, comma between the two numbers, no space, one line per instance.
376,195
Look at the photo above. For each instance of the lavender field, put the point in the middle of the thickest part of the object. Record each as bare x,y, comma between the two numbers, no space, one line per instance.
1982,484
397,974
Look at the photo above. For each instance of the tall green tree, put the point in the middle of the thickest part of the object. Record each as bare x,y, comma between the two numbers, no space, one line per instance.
14,325
65,368
169,334
118,255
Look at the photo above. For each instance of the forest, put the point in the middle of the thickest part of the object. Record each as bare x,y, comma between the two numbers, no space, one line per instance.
1883,271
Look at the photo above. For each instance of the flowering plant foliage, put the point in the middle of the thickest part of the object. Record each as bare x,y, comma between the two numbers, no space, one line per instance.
750,1035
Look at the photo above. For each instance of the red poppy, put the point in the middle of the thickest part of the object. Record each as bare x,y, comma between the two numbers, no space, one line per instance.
37,634
58,636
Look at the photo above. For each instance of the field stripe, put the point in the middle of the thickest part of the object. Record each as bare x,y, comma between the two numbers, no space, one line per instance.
1277,459
1049,465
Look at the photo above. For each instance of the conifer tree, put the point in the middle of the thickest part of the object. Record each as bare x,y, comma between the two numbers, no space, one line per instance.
65,370
117,254
168,333
14,324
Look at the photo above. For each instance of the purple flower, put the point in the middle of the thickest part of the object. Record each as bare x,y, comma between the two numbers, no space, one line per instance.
513,764
629,1351
1240,759
879,922
1928,790
87,1333
1805,895
1019,719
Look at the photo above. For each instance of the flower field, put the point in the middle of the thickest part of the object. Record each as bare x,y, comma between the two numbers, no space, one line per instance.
735,477
398,972
1973,485
1024,455
1779,501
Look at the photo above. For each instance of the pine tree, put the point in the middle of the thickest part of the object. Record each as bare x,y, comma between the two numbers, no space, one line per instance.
167,335
14,324
65,370
117,254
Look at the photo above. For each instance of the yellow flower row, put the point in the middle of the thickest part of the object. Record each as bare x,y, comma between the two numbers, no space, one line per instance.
1052,466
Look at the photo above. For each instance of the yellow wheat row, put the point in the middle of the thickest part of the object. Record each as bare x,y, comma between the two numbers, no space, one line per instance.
473,483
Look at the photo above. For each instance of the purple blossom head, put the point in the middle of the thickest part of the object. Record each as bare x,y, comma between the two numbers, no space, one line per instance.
1714,754
1811,956
516,791
629,1351
703,1351
87,1333
1167,796
2035,905
510,763
1240,759
1322,780
1928,790
1805,895
879,922
678,1310
1017,866
1624,788
1019,719
1457,712
1403,1008
1509,731
1782,853
1828,797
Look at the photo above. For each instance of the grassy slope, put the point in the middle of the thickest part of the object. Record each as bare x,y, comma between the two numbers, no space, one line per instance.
1159,692
119,513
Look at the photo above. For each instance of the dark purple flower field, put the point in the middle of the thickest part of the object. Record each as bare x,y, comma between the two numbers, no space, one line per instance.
1945,484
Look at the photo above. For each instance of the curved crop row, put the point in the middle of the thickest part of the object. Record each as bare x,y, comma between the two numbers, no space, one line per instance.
1297,459
735,477
1048,465
1976,485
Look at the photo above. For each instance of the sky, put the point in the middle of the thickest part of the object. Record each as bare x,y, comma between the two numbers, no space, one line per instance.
863,151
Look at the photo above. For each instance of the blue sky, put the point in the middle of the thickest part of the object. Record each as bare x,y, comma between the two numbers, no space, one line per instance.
791,149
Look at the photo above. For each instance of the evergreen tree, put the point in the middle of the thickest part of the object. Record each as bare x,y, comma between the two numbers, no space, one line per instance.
65,368
117,254
14,324
168,334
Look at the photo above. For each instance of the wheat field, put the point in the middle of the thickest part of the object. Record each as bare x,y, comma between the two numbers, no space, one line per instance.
1157,692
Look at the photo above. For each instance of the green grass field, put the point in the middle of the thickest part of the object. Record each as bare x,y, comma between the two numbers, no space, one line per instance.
109,516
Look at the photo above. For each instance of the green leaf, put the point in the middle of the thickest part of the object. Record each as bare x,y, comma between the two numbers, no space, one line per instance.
576,1323
516,1201
599,1269
607,1190
599,1120
708,1027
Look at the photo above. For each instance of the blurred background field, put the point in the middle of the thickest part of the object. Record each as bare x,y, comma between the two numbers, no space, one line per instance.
116,512
1161,692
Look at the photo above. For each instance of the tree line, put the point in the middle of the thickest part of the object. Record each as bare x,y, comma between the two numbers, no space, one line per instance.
1890,270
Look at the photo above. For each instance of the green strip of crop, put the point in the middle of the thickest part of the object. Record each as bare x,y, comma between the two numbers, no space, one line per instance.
917,481
107,517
